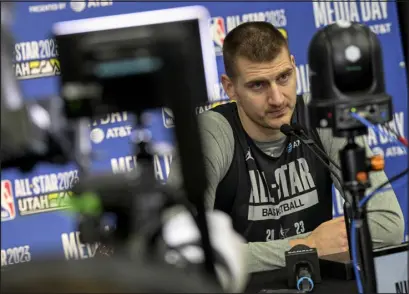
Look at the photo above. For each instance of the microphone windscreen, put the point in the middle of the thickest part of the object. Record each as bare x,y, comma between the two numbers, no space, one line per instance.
298,128
286,129
299,247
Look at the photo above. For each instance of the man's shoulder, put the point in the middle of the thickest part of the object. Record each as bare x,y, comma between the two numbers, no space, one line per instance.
218,138
337,143
327,138
224,107
214,118
216,129
324,133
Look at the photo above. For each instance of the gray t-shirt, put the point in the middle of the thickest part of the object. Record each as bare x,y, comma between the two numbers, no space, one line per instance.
386,226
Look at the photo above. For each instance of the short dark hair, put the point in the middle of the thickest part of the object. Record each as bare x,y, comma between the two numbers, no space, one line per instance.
257,41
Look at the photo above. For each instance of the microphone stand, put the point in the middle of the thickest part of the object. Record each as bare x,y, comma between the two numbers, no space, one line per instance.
356,181
353,162
348,213
403,18
298,129
321,155
300,133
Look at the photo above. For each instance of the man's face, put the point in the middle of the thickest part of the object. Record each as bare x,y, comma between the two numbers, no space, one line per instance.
265,92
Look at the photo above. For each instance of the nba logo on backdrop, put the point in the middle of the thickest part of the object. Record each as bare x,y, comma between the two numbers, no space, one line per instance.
8,209
168,118
218,30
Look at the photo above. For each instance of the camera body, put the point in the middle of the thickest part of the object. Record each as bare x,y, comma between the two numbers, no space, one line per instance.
346,76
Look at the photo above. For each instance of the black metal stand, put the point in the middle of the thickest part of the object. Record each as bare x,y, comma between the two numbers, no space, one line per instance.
140,199
168,48
149,209
354,165
348,215
403,16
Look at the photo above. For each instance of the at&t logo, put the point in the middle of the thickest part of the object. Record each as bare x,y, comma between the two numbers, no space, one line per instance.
80,6
97,135
293,145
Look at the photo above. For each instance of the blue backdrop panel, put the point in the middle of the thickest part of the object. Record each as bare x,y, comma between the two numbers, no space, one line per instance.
34,218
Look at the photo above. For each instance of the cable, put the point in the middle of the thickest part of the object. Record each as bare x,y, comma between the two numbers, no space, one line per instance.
319,158
378,130
377,190
369,125
354,252
355,257
288,130
400,137
353,225
298,129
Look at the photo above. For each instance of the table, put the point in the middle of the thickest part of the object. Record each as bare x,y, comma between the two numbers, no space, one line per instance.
278,280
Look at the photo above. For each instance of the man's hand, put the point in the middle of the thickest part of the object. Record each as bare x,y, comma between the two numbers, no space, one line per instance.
328,238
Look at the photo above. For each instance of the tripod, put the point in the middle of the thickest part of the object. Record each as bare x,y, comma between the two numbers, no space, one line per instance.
137,200
356,180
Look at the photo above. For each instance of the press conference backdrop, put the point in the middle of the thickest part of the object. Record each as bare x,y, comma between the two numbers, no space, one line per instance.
34,219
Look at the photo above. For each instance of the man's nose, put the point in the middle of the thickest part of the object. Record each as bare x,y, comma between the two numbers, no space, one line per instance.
275,97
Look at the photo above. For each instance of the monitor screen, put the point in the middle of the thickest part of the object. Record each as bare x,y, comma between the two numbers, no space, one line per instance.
128,42
391,268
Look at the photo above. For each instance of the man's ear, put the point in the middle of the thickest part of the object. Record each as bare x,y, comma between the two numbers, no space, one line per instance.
228,87
292,60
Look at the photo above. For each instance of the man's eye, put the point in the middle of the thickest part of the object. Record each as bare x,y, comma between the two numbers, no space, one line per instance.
284,78
257,86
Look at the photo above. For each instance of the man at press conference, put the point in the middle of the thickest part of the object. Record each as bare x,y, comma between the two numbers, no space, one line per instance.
276,191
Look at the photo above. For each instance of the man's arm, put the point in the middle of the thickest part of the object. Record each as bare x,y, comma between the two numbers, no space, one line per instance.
218,147
386,226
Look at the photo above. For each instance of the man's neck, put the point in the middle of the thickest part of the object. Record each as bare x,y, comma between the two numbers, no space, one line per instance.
257,132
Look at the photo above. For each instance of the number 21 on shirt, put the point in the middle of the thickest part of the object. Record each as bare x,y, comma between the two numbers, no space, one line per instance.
269,234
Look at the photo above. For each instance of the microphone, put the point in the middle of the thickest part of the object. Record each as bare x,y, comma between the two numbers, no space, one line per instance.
299,130
288,130
331,266
303,268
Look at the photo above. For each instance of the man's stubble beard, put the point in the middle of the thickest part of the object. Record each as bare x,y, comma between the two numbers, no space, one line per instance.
278,122
261,122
